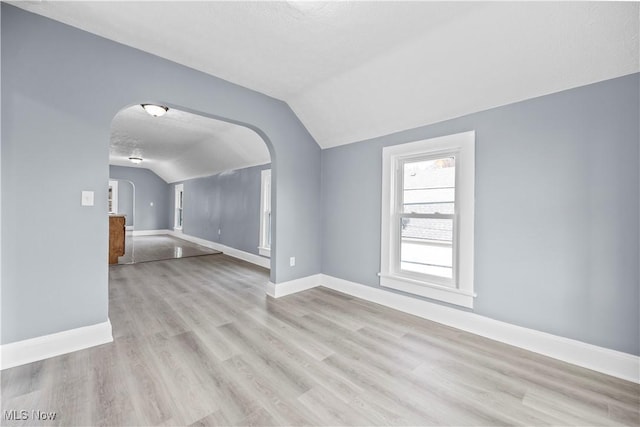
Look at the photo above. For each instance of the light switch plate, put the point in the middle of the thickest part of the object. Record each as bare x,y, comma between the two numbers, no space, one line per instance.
87,198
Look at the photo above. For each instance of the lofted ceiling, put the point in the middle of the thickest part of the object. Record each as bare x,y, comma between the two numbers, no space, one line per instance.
181,145
357,70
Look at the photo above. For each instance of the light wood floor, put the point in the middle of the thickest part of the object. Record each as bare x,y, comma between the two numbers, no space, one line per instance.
197,342
159,247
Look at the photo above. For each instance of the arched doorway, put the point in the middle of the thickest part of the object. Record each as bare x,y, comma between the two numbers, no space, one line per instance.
199,179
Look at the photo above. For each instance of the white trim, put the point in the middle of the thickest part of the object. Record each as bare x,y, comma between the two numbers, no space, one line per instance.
270,289
39,348
462,145
264,251
607,361
429,290
236,253
277,290
150,232
128,228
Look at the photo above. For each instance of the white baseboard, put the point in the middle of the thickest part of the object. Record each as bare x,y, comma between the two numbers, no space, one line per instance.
277,290
236,253
611,362
39,348
150,232
128,228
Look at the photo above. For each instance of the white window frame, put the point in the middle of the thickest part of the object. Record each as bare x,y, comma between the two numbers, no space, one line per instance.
265,212
179,189
113,184
462,146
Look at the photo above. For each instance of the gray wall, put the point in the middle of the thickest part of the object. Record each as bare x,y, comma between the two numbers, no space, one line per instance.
556,221
126,194
53,147
149,188
229,201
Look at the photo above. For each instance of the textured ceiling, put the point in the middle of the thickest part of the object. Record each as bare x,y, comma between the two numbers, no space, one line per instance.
180,145
356,70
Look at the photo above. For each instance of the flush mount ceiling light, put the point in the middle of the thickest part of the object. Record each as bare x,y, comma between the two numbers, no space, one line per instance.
136,160
155,110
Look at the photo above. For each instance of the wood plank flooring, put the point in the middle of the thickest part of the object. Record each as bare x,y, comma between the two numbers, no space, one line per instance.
198,343
159,247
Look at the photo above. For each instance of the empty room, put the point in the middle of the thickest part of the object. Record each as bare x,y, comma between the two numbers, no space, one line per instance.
351,213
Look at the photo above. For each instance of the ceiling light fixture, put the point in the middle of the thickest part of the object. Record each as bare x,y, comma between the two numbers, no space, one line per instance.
155,110
136,160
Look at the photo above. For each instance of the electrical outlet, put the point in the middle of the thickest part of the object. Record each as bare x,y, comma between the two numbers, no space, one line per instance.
219,231
292,261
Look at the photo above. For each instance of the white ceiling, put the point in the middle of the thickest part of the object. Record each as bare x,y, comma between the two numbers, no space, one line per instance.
181,145
356,70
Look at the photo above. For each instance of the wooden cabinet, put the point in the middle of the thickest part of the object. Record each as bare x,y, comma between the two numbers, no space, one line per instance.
116,237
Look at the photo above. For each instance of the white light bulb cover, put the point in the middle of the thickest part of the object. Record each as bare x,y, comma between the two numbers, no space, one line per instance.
136,160
155,110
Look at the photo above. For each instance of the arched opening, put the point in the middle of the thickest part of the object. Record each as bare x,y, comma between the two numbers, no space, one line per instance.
199,179
73,100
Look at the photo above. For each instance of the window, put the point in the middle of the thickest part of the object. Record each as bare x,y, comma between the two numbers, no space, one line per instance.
427,218
265,213
179,215
113,196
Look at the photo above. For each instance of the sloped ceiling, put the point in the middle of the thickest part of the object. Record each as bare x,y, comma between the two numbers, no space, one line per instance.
356,70
181,145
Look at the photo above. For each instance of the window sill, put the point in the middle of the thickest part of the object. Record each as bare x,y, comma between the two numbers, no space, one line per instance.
264,251
429,290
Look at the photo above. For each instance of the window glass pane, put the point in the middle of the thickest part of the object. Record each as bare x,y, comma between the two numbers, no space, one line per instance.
110,199
427,246
268,230
429,186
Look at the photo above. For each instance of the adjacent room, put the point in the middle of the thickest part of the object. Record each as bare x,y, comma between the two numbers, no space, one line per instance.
185,185
320,213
